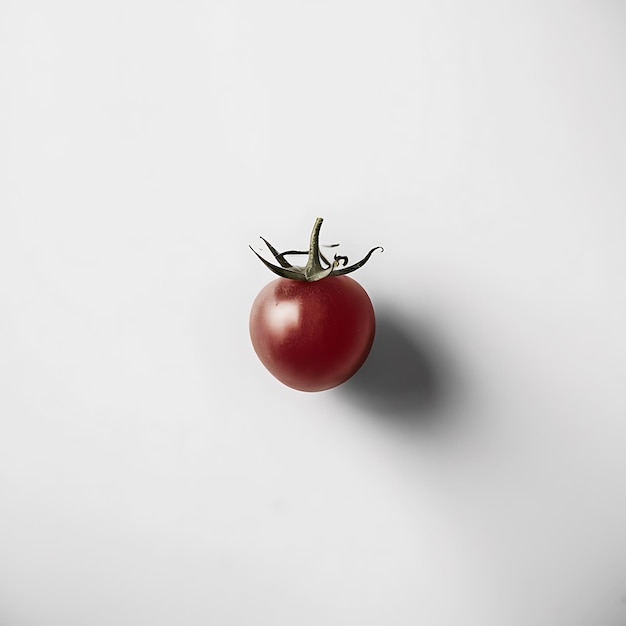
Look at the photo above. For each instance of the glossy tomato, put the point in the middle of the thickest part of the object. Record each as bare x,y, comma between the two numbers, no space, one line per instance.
313,327
312,335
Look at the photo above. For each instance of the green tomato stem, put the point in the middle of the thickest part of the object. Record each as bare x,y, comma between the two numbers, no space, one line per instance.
314,269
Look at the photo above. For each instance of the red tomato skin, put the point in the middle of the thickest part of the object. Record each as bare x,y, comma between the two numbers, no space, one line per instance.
312,336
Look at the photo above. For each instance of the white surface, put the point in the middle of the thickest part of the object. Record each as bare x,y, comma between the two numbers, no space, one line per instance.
152,472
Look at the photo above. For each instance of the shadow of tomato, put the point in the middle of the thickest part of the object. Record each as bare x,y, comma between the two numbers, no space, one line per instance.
407,378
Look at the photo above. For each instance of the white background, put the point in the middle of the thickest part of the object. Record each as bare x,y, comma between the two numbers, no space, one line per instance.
152,472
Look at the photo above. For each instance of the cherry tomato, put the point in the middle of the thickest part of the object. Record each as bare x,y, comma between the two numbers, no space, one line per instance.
313,327
312,335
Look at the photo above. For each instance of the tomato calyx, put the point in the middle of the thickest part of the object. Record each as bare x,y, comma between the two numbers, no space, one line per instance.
317,265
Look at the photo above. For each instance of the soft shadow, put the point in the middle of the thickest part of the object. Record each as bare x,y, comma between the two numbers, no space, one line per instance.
406,379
